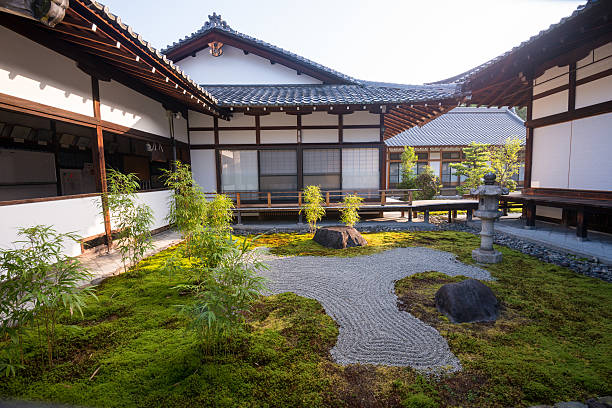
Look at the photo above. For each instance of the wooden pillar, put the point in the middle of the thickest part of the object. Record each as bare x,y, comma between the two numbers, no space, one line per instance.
528,143
450,217
426,216
97,149
410,215
56,151
172,139
581,224
530,211
469,214
300,155
217,154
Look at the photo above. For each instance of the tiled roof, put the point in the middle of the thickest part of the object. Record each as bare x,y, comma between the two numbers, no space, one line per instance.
288,95
216,23
461,126
465,76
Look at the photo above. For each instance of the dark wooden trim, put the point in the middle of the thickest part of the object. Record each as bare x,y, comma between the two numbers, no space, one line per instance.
340,129
592,110
550,92
569,193
218,169
310,127
45,199
381,126
56,151
257,130
571,101
528,145
100,162
300,154
284,146
594,77
216,130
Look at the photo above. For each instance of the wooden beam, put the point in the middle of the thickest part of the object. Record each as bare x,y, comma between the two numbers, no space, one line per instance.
99,161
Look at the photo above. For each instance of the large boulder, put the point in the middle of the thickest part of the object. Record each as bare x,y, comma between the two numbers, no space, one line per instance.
467,301
339,237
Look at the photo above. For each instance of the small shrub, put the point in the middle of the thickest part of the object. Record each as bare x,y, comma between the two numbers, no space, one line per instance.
350,209
38,282
219,213
313,208
428,184
188,205
132,220
419,400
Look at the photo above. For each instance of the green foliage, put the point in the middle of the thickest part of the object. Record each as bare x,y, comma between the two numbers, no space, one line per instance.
474,167
219,213
350,209
188,207
228,284
133,221
38,282
313,206
505,162
428,184
409,159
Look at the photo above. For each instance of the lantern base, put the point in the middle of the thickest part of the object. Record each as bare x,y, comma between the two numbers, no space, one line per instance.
482,256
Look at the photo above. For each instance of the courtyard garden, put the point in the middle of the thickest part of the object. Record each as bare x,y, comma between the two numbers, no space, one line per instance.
134,347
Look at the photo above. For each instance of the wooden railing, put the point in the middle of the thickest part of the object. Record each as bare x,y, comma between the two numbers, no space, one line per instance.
331,197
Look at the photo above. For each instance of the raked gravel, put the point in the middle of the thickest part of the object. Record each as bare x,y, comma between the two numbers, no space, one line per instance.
358,293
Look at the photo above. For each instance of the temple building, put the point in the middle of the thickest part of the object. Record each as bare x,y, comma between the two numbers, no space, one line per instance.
440,142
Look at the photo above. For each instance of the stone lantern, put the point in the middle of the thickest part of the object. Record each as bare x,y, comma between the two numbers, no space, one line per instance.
488,212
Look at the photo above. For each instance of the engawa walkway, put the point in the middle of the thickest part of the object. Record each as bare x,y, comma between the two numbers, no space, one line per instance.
109,264
358,293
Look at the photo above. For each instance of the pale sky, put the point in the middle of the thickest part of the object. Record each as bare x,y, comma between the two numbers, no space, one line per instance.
409,41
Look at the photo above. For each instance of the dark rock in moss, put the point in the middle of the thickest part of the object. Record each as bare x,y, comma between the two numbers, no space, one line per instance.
339,237
467,301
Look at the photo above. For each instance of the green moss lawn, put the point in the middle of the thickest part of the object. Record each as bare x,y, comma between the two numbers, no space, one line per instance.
553,342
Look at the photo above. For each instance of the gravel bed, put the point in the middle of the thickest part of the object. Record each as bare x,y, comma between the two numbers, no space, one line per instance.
358,293
588,267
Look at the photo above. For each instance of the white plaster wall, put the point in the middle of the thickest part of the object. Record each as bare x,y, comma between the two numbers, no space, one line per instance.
279,119
361,118
551,153
235,68
361,135
551,78
278,136
124,106
550,105
591,144
237,136
55,82
550,212
204,169
159,201
319,118
79,215
594,92
197,119
202,137
319,136
180,129
596,61
238,119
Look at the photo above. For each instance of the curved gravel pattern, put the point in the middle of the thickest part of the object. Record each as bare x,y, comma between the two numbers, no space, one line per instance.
358,293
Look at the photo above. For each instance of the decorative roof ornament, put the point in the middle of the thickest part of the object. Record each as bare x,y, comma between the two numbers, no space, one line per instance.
215,21
216,48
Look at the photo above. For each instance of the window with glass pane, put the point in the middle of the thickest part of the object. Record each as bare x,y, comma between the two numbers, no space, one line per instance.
450,155
448,175
277,170
322,168
422,156
394,172
239,170
360,169
420,167
395,156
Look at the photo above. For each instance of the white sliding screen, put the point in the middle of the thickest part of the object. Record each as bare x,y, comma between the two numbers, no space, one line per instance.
360,169
239,170
277,170
322,168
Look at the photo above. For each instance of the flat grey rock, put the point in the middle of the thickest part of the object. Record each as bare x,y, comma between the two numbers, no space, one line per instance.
358,293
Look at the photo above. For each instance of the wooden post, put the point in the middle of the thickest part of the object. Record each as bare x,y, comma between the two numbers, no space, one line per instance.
239,217
426,216
99,161
238,201
410,215
269,199
410,197
530,211
383,198
450,217
469,215
327,198
581,224
454,213
299,199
